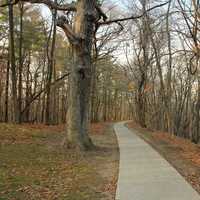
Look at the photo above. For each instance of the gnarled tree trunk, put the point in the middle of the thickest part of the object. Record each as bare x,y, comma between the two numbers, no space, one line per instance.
80,78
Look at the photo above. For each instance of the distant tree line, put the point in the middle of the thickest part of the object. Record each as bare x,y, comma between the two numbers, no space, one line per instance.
52,76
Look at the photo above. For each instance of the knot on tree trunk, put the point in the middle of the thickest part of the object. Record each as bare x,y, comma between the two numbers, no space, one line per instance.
92,16
81,71
62,20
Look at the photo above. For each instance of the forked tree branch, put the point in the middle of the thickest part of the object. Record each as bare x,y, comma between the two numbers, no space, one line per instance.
101,13
132,17
62,22
72,7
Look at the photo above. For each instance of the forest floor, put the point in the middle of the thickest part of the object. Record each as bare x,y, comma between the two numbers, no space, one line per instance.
34,166
180,153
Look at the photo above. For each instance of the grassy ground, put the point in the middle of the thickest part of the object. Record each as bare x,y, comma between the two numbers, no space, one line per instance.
181,153
34,166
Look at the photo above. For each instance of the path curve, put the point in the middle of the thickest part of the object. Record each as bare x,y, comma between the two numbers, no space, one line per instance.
144,174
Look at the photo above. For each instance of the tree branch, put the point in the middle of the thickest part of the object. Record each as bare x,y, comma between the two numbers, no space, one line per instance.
132,17
62,22
49,3
101,13
44,90
9,3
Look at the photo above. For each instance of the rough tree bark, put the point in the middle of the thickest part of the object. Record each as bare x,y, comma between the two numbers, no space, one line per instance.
80,77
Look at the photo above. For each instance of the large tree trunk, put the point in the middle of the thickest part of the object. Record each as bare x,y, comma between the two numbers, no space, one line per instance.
80,78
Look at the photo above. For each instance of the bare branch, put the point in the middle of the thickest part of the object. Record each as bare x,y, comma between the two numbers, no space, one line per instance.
49,3
101,13
132,17
36,96
9,3
63,23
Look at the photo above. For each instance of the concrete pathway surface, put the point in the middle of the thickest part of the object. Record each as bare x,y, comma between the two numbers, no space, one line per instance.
144,174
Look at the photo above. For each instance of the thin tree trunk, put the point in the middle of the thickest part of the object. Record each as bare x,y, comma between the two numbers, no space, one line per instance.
169,73
28,90
12,63
50,72
21,7
6,91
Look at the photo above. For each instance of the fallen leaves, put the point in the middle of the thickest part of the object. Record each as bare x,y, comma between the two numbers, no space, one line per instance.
98,128
33,165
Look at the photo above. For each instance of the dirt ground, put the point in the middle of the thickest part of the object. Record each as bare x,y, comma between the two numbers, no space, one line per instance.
181,153
34,166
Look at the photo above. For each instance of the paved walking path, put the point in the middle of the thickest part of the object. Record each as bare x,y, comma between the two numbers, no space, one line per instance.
144,174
